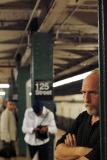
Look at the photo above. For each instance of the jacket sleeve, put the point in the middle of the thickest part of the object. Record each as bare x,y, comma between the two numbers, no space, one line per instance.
95,153
27,126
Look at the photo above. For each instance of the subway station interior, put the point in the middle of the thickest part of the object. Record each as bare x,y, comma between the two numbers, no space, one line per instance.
44,46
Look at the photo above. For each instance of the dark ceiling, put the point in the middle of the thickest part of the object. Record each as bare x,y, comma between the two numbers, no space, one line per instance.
75,33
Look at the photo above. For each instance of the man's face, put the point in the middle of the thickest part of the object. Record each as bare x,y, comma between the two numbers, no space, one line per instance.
90,90
39,113
10,105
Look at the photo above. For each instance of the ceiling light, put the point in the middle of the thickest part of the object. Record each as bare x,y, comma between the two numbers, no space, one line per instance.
4,85
2,93
30,93
71,79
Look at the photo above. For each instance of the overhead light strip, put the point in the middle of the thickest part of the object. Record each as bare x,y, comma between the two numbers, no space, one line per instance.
2,93
71,79
4,85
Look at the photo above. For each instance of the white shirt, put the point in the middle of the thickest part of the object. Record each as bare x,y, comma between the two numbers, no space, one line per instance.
31,121
8,126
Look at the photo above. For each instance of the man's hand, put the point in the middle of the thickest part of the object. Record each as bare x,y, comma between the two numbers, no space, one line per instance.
44,129
70,140
64,152
36,129
41,129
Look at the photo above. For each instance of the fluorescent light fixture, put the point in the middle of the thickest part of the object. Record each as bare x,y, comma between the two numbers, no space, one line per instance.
71,79
2,93
4,85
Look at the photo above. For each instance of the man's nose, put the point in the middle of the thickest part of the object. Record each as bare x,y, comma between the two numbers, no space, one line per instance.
87,98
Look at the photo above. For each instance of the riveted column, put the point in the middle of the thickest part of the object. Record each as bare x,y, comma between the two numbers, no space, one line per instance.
103,75
23,76
42,72
13,88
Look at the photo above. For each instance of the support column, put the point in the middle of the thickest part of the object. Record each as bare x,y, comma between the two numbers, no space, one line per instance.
103,75
23,76
13,89
42,72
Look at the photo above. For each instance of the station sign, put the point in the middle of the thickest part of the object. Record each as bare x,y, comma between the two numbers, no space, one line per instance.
43,89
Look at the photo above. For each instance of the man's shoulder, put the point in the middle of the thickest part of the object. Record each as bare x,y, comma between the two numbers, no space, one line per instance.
83,115
4,112
48,111
29,110
29,113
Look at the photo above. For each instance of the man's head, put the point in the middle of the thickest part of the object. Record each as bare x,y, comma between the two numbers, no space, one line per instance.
37,107
90,90
10,105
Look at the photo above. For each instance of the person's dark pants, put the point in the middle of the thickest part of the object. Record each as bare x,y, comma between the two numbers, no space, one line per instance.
43,151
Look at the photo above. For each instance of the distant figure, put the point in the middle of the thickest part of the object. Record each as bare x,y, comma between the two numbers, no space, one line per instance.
8,131
82,142
38,123
2,105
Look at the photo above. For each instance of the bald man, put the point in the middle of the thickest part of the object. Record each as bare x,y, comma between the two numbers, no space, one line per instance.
83,140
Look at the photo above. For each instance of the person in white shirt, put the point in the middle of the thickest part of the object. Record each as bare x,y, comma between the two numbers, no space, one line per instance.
38,123
8,131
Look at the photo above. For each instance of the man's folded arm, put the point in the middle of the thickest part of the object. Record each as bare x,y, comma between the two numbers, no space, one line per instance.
71,153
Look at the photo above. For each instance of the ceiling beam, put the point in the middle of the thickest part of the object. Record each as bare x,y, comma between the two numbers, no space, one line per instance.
65,54
7,1
13,25
60,61
79,29
73,46
26,56
10,34
53,15
56,66
32,15
4,47
14,14
78,67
